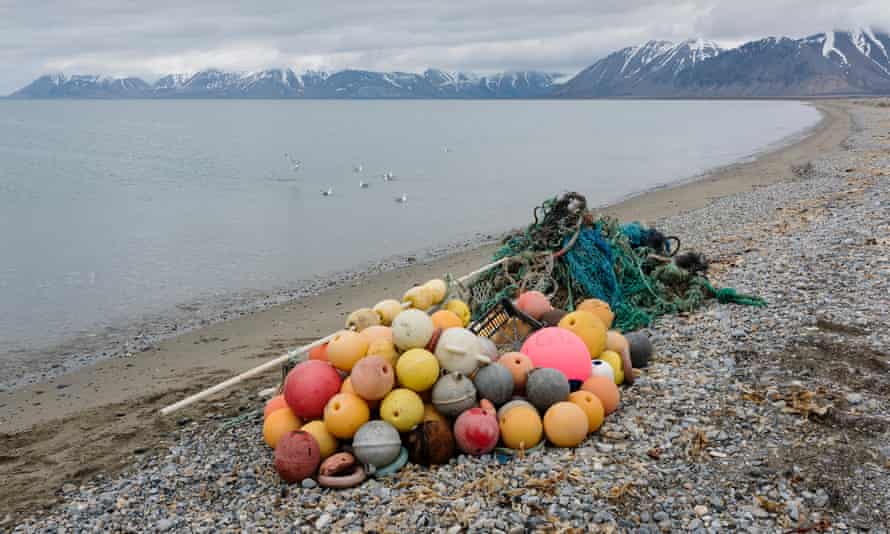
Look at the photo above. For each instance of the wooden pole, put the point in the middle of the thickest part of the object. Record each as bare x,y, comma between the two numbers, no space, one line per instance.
285,357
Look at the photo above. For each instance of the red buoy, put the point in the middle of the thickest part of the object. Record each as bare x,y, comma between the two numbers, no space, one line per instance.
297,456
309,386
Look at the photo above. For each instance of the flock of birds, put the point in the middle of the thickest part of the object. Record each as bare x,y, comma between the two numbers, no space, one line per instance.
387,176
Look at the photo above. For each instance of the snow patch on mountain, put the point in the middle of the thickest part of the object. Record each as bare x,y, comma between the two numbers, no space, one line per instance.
828,47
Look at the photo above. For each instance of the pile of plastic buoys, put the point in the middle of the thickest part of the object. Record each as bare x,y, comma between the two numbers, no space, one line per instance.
408,381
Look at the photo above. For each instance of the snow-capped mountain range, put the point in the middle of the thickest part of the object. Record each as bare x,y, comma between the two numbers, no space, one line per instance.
825,64
287,83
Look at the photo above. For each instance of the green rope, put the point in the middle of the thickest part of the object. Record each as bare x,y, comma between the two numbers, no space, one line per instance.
605,261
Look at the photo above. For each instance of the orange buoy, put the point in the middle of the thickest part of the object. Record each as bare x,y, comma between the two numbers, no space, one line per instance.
599,308
605,390
344,414
589,328
347,388
446,319
565,424
521,427
319,353
592,406
279,423
275,403
519,366
345,349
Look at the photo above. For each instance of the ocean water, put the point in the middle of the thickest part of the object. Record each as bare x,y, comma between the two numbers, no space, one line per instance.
114,210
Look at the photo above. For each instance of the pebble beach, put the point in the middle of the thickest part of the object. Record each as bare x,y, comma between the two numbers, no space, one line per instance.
748,419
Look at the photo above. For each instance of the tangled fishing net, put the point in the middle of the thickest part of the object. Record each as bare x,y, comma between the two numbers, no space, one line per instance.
570,255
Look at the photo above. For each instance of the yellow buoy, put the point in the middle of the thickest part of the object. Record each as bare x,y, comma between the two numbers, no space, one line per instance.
565,424
385,349
589,328
461,309
420,297
279,423
402,408
592,406
437,288
344,414
346,348
599,308
417,369
521,427
387,310
327,443
614,360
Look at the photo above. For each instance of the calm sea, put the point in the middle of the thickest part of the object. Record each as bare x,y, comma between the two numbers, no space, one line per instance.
111,210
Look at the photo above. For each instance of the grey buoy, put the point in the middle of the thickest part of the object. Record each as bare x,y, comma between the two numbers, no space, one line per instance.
453,393
640,348
546,387
495,383
376,443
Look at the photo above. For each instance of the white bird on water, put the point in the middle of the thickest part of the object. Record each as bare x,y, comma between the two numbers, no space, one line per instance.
402,199
294,163
328,193
363,184
388,176
358,168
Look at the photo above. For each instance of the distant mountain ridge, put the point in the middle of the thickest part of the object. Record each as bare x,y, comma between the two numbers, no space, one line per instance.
286,83
834,63
825,64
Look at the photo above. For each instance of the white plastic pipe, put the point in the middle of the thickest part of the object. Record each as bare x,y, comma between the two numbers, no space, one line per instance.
201,395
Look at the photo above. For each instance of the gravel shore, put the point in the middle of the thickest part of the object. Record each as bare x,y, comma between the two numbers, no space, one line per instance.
750,419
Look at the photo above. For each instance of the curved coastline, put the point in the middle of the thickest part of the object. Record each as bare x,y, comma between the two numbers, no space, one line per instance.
147,333
100,417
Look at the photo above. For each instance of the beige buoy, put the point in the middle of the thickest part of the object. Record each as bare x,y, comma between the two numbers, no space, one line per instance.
458,351
438,288
361,319
387,310
412,329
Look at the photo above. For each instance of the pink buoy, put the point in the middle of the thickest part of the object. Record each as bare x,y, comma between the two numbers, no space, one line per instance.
309,386
558,348
534,303
476,430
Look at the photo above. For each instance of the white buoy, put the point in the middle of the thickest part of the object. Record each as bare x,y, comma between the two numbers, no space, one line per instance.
328,193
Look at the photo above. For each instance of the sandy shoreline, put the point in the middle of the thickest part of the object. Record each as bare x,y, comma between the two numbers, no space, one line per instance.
109,408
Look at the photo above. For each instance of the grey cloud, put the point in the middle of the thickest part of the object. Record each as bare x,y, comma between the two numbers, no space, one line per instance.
152,38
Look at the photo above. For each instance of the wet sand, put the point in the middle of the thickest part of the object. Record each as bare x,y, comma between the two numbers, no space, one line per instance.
97,418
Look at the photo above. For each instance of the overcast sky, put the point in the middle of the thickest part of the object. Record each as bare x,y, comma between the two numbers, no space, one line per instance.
147,39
